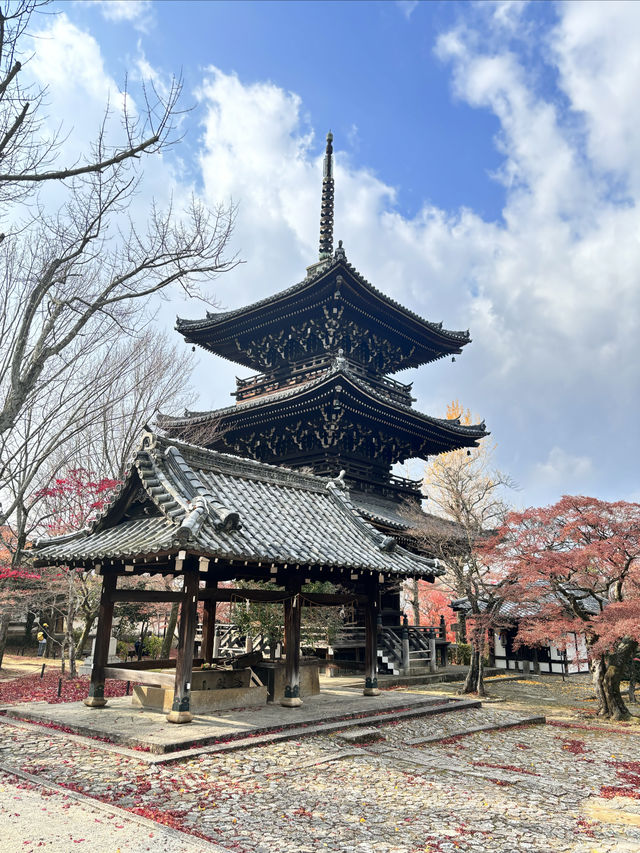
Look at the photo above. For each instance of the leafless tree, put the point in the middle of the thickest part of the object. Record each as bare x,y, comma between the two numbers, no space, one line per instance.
75,281
80,371
467,501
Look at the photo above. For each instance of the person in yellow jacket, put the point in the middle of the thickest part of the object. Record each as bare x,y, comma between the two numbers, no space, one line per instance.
42,640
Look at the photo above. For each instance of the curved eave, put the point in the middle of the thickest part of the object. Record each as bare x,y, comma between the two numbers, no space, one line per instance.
216,332
460,435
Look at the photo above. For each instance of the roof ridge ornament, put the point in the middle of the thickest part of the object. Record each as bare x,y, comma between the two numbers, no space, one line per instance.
338,482
201,503
326,207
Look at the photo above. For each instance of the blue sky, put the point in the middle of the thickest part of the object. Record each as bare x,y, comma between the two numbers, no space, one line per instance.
487,176
366,70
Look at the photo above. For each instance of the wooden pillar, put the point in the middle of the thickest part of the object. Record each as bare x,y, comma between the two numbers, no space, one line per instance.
371,639
96,699
292,609
180,711
209,623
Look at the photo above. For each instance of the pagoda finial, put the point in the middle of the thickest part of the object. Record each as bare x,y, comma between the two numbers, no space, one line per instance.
326,208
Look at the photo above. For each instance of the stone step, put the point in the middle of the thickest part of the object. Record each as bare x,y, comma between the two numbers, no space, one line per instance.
364,734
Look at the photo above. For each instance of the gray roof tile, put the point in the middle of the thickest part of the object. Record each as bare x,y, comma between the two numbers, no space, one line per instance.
222,506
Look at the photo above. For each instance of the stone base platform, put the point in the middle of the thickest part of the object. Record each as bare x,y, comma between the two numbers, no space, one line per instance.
120,723
202,701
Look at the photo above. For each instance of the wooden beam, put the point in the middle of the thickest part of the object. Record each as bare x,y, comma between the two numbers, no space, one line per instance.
275,596
146,595
140,676
247,594
331,599
157,663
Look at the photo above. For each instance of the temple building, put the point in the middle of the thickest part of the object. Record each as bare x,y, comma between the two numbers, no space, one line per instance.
291,485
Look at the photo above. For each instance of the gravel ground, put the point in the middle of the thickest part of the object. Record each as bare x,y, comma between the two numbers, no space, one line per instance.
534,788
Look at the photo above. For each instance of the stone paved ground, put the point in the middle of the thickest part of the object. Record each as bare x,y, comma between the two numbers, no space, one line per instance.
535,788
40,818
549,694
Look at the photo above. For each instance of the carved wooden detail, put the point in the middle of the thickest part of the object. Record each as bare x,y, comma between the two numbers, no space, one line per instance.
330,331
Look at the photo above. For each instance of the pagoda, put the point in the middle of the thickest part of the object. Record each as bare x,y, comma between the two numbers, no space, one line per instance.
323,398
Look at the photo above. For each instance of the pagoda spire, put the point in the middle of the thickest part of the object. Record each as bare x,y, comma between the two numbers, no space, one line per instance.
326,208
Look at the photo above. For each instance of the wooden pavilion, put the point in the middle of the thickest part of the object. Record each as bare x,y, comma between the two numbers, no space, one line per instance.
212,517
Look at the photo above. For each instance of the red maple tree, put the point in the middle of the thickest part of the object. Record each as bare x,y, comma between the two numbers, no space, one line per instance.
66,504
574,567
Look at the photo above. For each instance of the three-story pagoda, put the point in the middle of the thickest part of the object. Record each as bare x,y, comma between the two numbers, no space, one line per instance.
323,398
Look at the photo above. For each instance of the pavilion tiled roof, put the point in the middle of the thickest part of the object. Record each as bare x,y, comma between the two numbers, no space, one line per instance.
220,506
405,517
515,610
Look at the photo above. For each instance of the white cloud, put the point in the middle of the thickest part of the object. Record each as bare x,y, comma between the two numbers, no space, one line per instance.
136,12
595,47
564,470
550,292
407,7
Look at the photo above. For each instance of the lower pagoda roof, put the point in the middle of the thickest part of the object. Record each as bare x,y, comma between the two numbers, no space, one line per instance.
180,498
427,435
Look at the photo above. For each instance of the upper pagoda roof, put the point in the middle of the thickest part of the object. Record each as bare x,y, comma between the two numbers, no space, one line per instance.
179,497
237,334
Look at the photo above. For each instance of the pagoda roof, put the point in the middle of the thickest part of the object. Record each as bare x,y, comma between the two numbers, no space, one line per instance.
179,497
219,332
447,434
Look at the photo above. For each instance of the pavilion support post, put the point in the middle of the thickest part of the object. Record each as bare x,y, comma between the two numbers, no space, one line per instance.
96,699
209,623
292,610
180,711
371,640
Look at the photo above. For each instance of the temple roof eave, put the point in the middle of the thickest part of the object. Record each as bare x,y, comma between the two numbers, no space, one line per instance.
472,433
193,330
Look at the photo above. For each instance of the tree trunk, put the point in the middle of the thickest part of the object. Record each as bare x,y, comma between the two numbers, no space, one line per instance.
474,682
143,634
86,630
416,601
68,643
71,646
618,710
28,627
597,672
471,680
171,630
4,630
632,674
606,677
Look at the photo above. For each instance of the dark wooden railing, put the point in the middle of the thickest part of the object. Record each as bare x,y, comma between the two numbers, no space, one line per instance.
267,383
